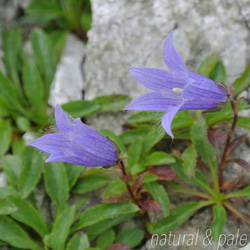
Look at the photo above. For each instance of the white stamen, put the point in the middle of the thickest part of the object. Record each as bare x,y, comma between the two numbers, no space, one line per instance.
177,90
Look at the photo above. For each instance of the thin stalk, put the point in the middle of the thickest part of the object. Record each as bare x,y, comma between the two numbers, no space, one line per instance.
124,173
229,136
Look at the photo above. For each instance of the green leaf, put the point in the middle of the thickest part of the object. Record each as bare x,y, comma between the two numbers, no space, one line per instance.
208,65
242,82
5,135
6,191
219,221
89,183
12,166
116,187
130,236
115,138
32,84
73,172
13,234
104,211
31,171
130,136
23,124
182,120
12,40
45,57
61,228
78,242
219,72
18,146
28,215
106,239
7,207
243,122
201,144
104,225
81,108
86,20
145,117
138,168
224,114
189,161
152,138
149,178
111,102
176,218
158,158
134,153
160,196
245,192
56,183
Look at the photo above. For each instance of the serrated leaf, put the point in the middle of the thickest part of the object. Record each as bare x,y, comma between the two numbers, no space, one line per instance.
134,153
31,171
5,136
130,236
56,183
176,218
78,242
244,164
89,183
104,211
6,191
189,161
242,82
245,192
73,172
208,65
45,57
81,108
219,221
106,239
12,233
216,137
28,215
243,122
158,158
163,172
7,207
104,225
32,84
111,135
160,196
61,228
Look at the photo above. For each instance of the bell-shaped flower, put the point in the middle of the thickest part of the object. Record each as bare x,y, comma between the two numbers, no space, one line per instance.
180,89
76,143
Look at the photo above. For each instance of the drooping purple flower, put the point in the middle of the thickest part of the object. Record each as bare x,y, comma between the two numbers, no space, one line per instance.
180,89
77,143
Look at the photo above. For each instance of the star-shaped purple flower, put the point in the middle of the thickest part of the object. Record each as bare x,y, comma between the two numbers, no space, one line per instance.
180,89
77,144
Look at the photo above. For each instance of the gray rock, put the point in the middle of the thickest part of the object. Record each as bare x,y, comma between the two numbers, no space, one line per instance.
68,82
126,33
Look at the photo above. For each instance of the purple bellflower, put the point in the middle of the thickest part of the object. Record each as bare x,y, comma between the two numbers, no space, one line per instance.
77,144
180,89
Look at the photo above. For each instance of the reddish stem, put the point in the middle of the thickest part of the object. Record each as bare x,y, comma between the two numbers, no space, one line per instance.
229,136
126,181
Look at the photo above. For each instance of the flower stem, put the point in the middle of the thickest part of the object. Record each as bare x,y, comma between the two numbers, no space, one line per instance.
229,136
126,181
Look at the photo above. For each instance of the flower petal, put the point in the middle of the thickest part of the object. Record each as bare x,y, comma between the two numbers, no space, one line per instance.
158,79
58,157
168,118
63,123
51,143
170,55
155,101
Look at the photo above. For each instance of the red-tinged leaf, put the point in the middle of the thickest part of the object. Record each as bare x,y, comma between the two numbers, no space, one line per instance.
236,143
240,162
119,246
226,185
137,182
118,199
150,205
216,137
163,172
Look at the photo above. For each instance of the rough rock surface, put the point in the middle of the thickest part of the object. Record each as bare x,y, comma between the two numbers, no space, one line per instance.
126,33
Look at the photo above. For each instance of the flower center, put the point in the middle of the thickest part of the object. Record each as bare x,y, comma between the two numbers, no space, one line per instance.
177,90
